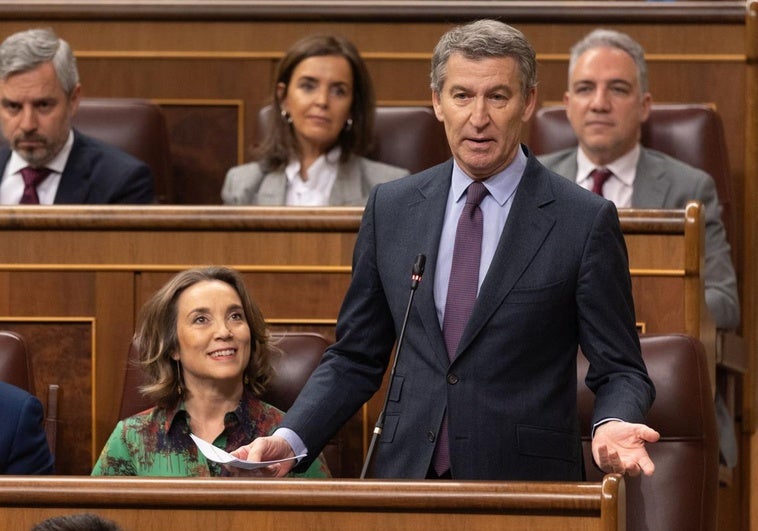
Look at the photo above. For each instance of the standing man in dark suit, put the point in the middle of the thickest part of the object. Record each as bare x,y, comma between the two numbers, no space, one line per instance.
47,161
498,382
606,102
23,445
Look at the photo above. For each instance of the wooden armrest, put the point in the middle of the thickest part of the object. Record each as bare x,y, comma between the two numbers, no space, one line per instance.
51,419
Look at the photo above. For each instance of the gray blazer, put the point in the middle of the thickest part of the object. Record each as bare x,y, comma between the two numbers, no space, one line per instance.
247,185
559,279
662,181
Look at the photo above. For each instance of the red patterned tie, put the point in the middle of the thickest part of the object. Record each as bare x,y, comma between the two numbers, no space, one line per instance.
32,177
461,294
599,176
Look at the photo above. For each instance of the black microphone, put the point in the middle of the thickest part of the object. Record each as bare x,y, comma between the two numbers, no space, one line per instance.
416,274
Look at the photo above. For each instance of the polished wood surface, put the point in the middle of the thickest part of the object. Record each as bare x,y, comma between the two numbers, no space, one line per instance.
314,505
557,10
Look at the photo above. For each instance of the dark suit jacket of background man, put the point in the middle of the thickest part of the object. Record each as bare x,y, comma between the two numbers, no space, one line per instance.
23,445
559,278
98,174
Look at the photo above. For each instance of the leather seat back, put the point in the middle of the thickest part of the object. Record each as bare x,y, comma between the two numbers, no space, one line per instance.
683,491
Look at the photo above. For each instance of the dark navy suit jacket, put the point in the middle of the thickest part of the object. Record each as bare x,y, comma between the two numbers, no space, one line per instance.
23,445
559,279
98,174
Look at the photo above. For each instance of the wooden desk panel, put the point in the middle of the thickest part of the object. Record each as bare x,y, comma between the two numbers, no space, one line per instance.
98,265
666,259
313,505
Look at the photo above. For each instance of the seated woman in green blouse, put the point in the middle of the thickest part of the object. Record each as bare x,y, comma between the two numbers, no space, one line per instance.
202,343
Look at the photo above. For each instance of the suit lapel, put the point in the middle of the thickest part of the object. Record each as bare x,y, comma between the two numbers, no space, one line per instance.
75,182
523,235
567,166
651,186
429,204
5,155
347,189
273,189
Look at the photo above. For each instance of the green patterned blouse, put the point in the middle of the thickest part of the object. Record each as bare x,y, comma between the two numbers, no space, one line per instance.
156,442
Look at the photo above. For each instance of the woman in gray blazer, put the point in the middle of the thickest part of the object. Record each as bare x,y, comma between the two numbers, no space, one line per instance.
312,153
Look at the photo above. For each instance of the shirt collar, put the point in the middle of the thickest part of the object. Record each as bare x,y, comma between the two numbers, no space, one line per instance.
501,186
241,414
624,168
174,414
330,159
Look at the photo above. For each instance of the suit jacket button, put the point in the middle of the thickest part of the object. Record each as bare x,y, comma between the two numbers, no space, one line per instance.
430,436
452,379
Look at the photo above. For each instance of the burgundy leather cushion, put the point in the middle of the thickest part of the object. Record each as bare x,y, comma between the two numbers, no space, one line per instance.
683,491
15,365
136,126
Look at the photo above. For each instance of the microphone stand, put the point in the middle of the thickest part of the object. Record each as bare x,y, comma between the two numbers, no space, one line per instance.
416,274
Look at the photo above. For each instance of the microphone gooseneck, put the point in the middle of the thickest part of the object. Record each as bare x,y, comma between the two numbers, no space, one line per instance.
416,273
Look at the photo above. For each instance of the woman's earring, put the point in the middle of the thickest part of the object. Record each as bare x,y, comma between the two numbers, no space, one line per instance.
286,116
349,124
178,378
246,380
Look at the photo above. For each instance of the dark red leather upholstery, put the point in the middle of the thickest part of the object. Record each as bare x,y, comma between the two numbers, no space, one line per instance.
409,137
136,126
15,365
682,494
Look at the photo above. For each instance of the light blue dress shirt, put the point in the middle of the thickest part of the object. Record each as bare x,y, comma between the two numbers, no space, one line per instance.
495,209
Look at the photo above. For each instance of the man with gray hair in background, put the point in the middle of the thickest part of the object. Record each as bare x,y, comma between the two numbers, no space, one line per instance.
46,161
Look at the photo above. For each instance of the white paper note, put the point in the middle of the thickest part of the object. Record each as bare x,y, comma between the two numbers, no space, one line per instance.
217,455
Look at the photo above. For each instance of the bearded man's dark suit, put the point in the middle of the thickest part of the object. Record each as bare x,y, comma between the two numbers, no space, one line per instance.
23,445
559,278
98,174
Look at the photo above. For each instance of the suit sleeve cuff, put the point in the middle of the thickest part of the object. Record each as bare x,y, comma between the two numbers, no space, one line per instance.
601,422
293,439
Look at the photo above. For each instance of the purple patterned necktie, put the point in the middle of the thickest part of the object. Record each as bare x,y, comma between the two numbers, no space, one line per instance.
599,176
32,177
461,293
